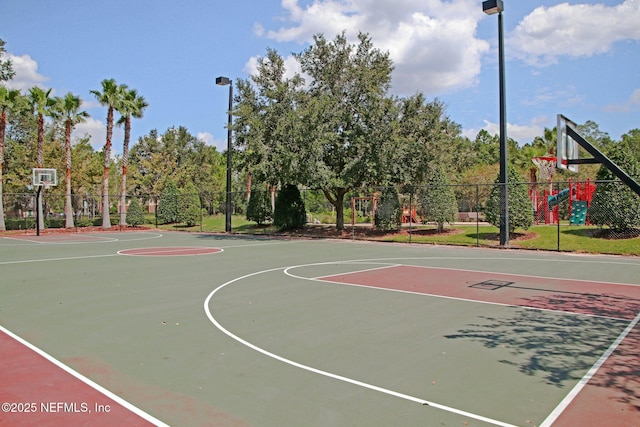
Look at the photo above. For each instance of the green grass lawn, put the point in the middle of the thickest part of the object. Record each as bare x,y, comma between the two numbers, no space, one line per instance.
544,237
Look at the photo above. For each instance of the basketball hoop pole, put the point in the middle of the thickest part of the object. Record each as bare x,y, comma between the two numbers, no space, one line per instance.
38,210
491,7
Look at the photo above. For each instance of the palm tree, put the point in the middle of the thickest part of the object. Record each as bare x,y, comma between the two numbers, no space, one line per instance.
69,109
110,97
9,99
41,103
131,105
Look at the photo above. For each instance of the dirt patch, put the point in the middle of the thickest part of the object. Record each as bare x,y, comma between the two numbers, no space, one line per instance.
365,232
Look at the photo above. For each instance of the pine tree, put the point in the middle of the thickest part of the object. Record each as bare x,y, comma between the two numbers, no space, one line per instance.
259,207
614,204
168,204
438,200
520,211
290,212
189,206
388,214
135,214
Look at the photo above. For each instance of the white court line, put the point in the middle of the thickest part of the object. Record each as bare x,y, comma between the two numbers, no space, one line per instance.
542,260
95,239
587,377
425,294
326,373
86,380
25,261
170,251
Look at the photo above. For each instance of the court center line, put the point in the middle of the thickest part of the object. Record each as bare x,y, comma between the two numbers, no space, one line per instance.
587,377
326,373
86,380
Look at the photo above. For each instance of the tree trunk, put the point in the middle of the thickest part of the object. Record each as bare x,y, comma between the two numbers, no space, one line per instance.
123,198
106,220
125,163
3,122
336,198
39,163
2,224
68,208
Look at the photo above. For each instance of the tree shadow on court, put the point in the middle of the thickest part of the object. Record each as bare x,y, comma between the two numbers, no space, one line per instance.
559,349
562,348
621,372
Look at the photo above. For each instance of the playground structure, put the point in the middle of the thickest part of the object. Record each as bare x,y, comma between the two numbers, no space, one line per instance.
367,206
363,206
546,202
410,216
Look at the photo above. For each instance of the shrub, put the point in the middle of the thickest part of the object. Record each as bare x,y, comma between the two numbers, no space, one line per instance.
614,204
520,211
388,214
168,204
438,200
259,207
189,206
290,211
135,214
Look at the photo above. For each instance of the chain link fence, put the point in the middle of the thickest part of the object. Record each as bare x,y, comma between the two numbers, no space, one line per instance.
599,217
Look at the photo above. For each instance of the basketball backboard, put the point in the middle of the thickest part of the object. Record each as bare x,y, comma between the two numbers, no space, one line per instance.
567,147
45,177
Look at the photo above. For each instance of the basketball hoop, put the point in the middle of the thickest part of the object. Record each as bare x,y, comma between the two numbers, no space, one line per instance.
44,178
546,167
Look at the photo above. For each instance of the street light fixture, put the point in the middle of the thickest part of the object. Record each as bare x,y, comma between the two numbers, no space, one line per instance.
224,81
491,7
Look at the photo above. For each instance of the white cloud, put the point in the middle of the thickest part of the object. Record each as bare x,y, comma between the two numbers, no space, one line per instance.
93,128
26,69
431,42
632,103
291,65
635,97
209,140
521,133
579,30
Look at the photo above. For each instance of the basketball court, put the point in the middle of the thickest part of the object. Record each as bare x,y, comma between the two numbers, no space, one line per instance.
148,328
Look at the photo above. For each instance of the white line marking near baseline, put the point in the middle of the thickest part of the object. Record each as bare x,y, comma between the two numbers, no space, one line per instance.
326,373
25,261
86,380
587,377
97,239
90,239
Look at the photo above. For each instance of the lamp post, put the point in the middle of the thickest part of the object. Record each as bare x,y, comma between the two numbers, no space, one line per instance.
224,81
491,7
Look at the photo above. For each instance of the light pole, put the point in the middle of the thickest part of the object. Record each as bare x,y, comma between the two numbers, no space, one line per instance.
491,7
223,81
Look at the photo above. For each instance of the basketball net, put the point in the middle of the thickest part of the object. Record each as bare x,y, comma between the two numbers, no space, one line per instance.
546,167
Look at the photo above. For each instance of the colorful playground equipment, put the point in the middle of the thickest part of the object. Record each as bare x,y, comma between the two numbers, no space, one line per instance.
546,203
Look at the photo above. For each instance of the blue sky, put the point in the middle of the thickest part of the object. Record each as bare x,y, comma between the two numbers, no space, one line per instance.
578,58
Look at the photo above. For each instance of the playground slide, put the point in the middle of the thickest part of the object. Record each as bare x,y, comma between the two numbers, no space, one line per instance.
578,213
558,198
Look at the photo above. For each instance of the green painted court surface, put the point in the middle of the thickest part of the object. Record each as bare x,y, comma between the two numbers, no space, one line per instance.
272,332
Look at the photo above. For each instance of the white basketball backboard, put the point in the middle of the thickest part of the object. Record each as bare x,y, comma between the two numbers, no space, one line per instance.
567,147
44,177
